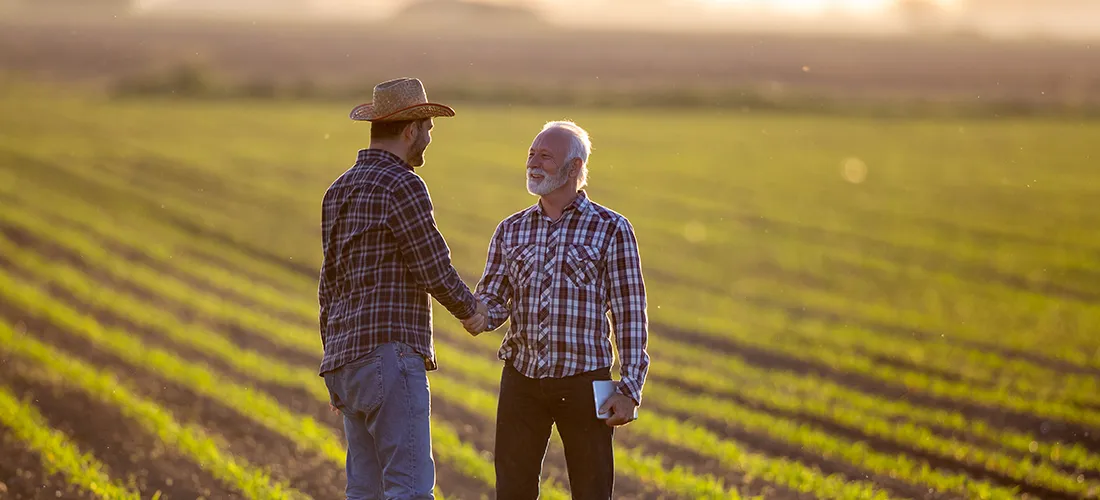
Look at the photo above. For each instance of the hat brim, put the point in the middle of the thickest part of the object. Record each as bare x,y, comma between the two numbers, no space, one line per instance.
365,112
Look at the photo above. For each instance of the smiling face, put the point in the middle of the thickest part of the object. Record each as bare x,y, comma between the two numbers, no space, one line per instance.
547,170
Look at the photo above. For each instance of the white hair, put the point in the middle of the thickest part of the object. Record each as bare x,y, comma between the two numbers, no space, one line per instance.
580,146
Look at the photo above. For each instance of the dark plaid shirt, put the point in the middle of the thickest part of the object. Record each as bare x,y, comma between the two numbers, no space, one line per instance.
383,256
557,281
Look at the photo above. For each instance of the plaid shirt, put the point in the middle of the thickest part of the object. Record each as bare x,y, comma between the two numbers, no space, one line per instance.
383,256
557,281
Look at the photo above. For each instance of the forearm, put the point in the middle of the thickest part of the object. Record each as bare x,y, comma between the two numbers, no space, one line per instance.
425,251
498,310
495,288
627,294
633,359
453,294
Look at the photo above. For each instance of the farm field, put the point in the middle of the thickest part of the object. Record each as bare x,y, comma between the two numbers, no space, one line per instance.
840,307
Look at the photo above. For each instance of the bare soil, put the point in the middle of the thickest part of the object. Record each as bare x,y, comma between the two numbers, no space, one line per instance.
128,450
320,478
23,477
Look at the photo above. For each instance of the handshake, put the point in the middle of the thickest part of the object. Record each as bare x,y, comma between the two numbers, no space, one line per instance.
479,322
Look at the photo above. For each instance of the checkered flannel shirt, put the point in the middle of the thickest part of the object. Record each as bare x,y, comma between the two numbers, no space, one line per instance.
556,281
383,256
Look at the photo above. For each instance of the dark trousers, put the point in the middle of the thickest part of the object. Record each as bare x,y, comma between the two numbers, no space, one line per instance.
526,410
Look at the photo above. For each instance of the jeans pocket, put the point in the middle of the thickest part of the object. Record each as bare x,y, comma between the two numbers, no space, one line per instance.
359,385
408,356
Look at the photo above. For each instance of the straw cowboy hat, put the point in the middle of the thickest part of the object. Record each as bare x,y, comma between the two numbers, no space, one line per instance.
397,100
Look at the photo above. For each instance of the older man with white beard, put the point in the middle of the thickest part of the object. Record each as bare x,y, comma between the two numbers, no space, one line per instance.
555,270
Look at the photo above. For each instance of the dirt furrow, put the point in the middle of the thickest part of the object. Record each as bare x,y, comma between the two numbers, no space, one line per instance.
129,451
453,483
184,314
305,471
1048,429
672,455
878,443
23,477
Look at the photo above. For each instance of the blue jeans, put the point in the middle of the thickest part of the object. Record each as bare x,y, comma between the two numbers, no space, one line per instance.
386,404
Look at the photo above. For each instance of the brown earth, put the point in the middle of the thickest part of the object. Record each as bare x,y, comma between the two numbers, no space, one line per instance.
1049,429
626,487
312,474
260,446
772,447
281,454
128,450
23,477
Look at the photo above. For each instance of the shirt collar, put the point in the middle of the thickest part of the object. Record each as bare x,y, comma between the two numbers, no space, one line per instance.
581,204
371,155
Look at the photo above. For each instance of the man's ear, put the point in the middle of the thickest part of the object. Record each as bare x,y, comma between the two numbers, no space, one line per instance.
575,167
411,131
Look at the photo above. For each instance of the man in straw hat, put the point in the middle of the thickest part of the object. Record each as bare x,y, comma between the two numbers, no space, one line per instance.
383,260
556,269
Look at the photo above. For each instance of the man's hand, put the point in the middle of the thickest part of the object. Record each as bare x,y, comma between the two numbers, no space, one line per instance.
479,321
331,402
621,408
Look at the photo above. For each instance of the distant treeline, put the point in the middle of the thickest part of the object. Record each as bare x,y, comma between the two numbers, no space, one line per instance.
197,82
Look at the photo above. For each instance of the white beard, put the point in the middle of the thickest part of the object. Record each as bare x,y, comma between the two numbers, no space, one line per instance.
548,183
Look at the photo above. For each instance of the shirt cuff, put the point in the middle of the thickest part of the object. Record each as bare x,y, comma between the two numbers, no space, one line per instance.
625,389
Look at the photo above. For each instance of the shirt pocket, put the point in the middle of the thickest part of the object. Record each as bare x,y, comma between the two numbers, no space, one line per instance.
581,265
523,265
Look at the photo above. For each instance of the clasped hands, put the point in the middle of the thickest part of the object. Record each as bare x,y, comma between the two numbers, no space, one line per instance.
479,322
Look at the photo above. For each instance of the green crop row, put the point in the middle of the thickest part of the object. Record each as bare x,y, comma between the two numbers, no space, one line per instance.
863,365
279,331
144,314
246,361
894,348
1024,379
709,264
190,440
778,341
979,368
57,452
304,431
967,362
228,353
911,435
678,480
729,374
223,350
1005,464
777,470
68,210
721,374
664,396
808,438
210,166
